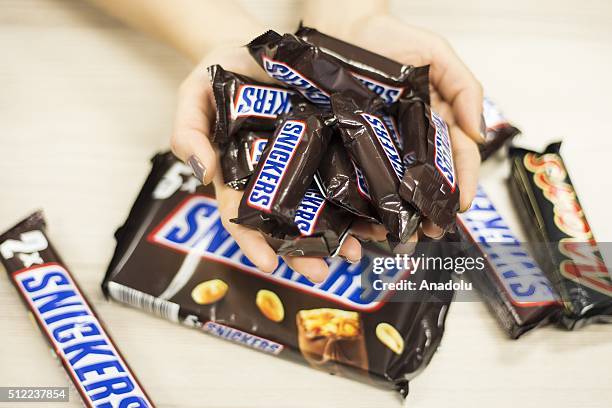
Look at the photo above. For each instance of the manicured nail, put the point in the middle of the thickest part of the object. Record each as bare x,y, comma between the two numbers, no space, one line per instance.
439,236
199,170
351,261
313,279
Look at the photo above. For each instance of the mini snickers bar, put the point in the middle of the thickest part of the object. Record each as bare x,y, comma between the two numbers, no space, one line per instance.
65,317
286,169
514,288
241,156
371,145
174,259
322,228
303,67
429,183
558,228
337,178
387,78
245,104
499,131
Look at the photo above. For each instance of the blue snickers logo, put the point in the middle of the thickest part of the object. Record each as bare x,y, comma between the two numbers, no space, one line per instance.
386,141
292,78
390,94
195,227
261,101
308,211
391,125
362,186
257,149
443,156
521,277
273,170
100,374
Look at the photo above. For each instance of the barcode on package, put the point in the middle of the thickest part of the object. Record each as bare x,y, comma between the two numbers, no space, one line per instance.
163,308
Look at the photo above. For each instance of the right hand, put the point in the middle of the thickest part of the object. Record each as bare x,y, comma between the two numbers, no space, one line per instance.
195,119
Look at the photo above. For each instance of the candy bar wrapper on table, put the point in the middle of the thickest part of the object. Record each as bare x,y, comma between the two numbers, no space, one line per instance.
511,284
562,240
67,320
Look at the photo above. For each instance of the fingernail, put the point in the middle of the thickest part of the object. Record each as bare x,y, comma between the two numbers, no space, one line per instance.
351,261
313,279
439,236
199,170
483,128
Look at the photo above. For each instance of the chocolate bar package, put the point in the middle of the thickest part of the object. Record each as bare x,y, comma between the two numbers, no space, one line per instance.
510,282
500,131
564,244
65,317
429,182
241,155
175,260
305,68
387,78
245,104
370,144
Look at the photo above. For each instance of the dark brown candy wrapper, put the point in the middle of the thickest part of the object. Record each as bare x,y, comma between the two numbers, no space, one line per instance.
499,131
245,104
387,78
371,145
286,169
337,178
562,238
173,247
429,182
511,284
240,157
306,69
321,226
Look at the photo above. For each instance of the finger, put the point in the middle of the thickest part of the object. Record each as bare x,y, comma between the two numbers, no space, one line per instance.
350,250
315,269
369,231
254,247
251,242
194,116
443,109
467,164
459,87
432,230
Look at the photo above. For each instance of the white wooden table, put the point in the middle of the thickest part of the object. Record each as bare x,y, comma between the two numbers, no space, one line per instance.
85,102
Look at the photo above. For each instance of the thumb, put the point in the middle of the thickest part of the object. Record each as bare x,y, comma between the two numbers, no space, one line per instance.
194,115
194,148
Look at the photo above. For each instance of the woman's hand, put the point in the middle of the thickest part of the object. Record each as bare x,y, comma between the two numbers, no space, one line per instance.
195,118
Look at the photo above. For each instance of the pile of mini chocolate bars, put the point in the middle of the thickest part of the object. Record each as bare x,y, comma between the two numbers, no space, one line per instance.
352,137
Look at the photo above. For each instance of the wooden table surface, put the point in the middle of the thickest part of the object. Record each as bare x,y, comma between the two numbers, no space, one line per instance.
85,102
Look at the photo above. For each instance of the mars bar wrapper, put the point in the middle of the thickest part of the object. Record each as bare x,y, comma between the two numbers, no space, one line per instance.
563,241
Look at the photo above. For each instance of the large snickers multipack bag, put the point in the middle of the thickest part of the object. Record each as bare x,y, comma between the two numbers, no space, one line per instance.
174,259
